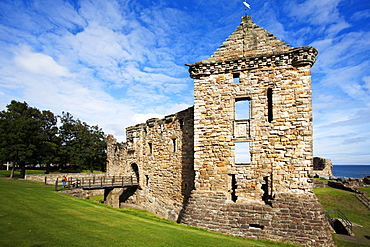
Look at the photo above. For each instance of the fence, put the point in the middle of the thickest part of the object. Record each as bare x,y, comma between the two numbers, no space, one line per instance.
90,183
335,216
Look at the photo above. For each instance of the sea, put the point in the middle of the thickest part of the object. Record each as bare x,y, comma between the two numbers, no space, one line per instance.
351,171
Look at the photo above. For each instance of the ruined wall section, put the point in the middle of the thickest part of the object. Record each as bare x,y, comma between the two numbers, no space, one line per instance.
294,218
162,150
322,166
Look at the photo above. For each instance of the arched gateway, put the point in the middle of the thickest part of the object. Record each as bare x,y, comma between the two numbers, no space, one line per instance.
245,174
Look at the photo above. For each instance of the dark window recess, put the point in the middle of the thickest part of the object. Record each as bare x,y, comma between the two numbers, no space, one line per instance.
266,187
147,179
269,105
174,142
233,188
256,226
236,78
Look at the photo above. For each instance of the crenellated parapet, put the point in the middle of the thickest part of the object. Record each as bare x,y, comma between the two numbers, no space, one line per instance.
297,57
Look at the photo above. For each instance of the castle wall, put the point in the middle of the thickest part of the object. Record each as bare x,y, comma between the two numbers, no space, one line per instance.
271,195
200,181
280,149
293,218
160,153
322,167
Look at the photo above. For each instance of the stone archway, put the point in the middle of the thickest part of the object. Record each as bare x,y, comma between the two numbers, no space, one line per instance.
135,171
130,191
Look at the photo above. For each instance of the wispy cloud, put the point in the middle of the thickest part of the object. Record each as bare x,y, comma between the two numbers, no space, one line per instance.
118,63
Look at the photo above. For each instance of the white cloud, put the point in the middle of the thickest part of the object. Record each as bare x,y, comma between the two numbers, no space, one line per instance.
39,63
361,15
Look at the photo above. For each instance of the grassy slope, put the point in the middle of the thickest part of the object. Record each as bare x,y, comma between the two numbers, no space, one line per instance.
352,208
31,214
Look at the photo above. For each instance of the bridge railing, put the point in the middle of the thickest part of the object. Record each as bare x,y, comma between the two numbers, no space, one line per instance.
96,182
334,215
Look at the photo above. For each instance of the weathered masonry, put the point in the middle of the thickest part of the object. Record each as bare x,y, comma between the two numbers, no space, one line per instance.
240,161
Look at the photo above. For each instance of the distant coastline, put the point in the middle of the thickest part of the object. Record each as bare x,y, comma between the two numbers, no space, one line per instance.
351,171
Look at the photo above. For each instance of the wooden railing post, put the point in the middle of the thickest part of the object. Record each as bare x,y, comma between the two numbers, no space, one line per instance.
101,182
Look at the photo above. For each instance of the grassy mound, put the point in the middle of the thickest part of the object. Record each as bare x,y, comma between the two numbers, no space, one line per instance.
353,209
31,214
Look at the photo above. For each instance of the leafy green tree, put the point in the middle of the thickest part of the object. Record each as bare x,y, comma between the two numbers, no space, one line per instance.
81,144
22,134
49,140
29,136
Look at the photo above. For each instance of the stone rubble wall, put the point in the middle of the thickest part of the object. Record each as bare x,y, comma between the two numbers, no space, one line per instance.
294,218
253,39
199,183
281,149
162,150
322,167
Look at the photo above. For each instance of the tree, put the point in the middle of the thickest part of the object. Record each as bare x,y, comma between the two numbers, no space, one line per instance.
49,140
23,134
81,144
29,136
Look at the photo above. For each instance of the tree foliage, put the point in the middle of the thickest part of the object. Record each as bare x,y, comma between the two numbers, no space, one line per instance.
82,145
31,136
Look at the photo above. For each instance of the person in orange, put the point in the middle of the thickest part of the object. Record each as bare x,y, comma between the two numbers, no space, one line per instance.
64,181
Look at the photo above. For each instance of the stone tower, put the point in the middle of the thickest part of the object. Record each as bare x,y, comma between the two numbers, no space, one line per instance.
253,141
239,161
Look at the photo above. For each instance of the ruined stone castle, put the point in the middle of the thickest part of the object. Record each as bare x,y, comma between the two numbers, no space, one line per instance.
239,161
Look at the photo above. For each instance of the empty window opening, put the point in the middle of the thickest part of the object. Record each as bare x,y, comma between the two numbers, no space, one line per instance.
147,180
181,121
256,226
233,188
242,108
236,78
135,170
242,153
150,147
174,143
266,187
269,105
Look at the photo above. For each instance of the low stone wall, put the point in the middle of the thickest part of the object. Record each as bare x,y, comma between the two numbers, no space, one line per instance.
296,218
84,194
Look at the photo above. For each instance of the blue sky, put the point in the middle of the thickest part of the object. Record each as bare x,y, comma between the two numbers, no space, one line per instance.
118,63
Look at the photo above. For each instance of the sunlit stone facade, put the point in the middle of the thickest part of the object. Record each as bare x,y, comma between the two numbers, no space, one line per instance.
188,163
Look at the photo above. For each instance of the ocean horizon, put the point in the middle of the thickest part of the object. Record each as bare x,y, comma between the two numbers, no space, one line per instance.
351,171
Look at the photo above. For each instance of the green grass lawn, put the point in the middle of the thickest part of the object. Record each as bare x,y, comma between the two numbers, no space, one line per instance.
31,214
365,190
353,209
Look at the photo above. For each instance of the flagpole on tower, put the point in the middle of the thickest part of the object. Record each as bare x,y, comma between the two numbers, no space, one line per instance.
246,6
244,41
